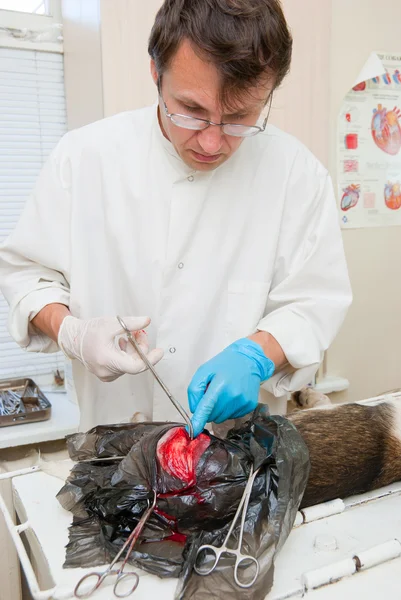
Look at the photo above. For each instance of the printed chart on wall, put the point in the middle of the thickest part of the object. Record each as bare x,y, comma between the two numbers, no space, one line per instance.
369,146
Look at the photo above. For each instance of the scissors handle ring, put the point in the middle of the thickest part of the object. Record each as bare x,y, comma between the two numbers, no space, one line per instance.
125,576
216,552
99,578
244,558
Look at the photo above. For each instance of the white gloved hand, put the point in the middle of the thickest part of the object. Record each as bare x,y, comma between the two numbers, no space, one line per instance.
95,343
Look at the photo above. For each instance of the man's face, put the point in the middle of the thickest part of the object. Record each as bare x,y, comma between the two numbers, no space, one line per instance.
191,86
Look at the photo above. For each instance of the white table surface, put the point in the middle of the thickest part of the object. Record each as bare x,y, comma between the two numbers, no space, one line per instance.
63,421
35,496
358,528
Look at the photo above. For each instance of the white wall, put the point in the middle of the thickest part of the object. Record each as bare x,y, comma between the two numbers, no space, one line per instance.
367,350
106,58
332,40
301,105
82,61
125,28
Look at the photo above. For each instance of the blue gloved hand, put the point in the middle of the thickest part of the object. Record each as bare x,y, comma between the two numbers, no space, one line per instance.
227,386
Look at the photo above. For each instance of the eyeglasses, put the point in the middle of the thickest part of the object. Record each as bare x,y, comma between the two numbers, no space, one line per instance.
234,129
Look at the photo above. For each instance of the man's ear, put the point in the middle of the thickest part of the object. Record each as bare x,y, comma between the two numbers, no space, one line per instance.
153,71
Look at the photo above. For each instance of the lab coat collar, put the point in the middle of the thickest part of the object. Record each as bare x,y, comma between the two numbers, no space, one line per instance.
168,147
176,161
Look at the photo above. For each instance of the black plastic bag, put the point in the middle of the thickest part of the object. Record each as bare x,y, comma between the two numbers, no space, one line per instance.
107,499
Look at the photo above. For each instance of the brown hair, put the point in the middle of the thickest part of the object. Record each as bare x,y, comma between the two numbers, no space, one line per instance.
245,39
353,448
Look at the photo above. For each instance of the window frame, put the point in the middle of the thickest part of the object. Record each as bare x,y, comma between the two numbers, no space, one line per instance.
18,21
13,21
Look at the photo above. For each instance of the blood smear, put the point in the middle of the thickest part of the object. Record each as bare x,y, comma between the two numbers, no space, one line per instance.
178,455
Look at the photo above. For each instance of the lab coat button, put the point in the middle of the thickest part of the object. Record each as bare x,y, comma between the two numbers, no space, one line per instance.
172,349
191,178
181,265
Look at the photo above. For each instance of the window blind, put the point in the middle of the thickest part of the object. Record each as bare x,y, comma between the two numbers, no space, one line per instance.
32,120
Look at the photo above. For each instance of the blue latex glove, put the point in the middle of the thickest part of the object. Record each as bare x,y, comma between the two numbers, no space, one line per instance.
227,386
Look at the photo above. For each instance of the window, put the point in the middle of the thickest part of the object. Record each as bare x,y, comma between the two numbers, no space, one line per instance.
30,17
32,120
37,7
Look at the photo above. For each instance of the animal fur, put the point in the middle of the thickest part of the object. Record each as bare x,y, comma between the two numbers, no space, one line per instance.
353,448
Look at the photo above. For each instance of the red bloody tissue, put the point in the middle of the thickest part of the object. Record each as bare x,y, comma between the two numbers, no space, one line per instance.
178,455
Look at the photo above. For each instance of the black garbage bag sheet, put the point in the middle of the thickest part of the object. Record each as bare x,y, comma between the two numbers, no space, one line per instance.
199,484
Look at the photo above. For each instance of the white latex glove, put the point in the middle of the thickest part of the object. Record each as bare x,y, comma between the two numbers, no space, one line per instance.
95,343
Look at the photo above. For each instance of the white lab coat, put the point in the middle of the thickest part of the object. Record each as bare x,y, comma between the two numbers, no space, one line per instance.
118,224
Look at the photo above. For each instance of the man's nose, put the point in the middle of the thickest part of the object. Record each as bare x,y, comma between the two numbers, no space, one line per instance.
211,139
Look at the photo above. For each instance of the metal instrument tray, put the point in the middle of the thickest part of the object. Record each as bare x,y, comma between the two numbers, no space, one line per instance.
30,403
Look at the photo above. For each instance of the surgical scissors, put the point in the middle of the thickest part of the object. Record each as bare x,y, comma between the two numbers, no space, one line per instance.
151,368
218,551
121,576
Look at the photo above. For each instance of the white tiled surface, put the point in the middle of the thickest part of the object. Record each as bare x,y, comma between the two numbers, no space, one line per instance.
368,521
359,528
35,497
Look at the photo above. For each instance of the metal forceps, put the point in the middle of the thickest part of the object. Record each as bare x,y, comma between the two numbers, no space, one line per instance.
151,368
217,551
99,577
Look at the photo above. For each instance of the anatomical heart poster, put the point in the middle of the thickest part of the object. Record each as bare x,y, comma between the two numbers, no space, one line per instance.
369,146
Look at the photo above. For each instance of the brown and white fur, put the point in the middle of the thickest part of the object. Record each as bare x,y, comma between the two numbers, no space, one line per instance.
353,447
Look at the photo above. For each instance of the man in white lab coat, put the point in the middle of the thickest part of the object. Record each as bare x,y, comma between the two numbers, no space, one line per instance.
194,213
